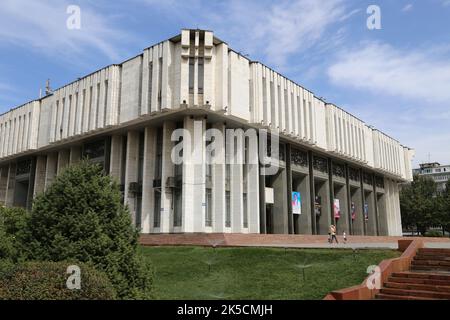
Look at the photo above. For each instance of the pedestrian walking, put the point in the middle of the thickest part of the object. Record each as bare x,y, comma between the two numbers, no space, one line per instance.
333,233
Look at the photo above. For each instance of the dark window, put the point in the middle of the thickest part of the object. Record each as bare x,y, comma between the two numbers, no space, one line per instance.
157,210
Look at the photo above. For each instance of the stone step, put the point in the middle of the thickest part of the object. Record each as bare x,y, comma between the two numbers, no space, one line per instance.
383,296
421,275
416,293
432,257
430,268
420,287
430,262
434,251
419,281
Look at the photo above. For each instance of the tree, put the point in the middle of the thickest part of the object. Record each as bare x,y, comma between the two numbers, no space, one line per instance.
81,217
419,204
13,225
445,207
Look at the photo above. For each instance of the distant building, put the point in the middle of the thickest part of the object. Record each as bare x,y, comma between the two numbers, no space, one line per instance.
440,174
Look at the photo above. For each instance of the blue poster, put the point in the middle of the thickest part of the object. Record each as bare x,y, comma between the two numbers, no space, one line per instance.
296,203
366,211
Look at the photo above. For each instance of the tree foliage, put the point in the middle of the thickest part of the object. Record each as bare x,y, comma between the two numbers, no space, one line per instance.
422,206
81,217
13,228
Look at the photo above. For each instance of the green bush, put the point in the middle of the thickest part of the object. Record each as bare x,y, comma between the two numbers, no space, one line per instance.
433,234
81,217
47,281
13,228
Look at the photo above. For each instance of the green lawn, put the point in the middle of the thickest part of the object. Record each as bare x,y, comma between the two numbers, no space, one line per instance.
257,273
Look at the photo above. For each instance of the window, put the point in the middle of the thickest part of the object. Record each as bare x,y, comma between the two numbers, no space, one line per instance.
228,209
208,216
157,210
97,104
191,74
245,218
201,75
158,164
106,102
177,211
150,85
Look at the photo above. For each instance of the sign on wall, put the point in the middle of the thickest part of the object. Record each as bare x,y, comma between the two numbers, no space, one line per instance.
296,203
366,211
270,199
337,209
353,211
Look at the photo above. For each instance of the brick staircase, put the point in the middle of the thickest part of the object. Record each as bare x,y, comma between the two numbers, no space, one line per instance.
428,278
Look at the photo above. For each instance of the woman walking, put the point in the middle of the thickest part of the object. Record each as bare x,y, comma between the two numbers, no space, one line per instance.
333,233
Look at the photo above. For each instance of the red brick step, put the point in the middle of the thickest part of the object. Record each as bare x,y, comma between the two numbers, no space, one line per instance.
420,287
382,296
416,293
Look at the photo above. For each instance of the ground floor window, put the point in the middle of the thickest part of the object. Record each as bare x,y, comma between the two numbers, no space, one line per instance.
157,210
228,210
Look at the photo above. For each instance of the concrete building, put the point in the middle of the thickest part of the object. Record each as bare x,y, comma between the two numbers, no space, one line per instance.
123,117
440,174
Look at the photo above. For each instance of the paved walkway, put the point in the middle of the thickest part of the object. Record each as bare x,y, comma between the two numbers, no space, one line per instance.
281,241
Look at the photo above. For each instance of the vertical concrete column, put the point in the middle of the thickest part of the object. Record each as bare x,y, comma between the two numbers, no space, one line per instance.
167,172
303,223
218,181
193,176
382,215
51,168
280,210
39,180
116,157
342,224
236,147
4,171
63,160
372,222
322,189
148,194
11,185
252,186
75,154
358,222
131,172
398,217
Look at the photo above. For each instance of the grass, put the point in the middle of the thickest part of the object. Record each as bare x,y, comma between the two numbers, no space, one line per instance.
257,273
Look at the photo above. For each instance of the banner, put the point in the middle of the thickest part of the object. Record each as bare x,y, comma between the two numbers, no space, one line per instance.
296,203
337,209
353,211
366,211
318,206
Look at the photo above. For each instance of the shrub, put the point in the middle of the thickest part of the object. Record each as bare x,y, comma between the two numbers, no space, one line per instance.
47,281
433,234
81,217
13,228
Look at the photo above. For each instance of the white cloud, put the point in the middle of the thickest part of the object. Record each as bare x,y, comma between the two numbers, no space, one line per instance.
380,68
276,30
446,3
408,7
41,25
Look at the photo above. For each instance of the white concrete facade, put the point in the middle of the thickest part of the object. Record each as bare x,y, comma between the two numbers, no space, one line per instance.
189,79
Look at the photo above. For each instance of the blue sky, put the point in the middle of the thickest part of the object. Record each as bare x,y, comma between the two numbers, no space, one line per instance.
396,79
